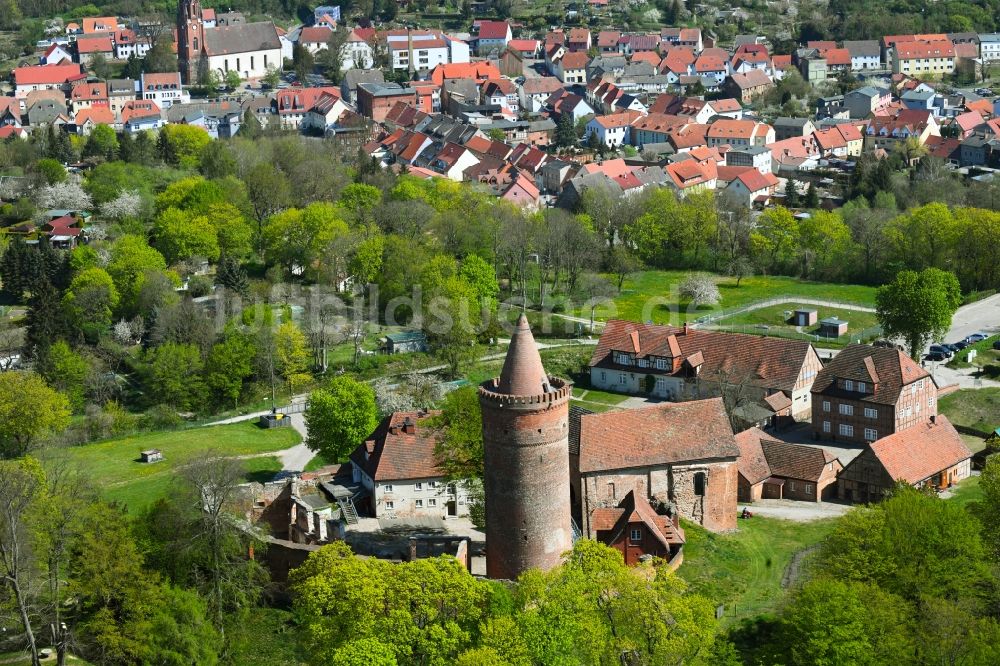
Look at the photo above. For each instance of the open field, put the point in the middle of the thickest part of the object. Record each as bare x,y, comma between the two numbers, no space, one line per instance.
652,295
773,317
113,467
975,408
745,570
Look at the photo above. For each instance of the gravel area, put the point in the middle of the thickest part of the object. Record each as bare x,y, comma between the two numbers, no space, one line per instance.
802,512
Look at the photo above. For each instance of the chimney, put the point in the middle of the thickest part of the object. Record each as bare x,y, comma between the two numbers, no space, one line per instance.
408,426
933,419
686,328
393,430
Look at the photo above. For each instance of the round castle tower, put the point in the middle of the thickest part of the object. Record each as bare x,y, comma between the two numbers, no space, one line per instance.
526,471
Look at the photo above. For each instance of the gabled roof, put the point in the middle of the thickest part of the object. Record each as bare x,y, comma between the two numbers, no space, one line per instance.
494,29
89,91
99,24
95,44
315,35
774,363
241,38
633,509
47,74
391,453
755,181
795,461
921,451
888,369
479,71
752,79
663,434
574,60
752,463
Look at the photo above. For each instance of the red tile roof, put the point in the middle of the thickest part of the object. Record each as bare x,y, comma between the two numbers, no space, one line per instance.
493,29
921,451
391,453
100,24
888,369
795,461
89,91
523,45
575,60
99,115
480,71
634,508
46,74
100,44
315,35
774,363
660,435
752,463
936,49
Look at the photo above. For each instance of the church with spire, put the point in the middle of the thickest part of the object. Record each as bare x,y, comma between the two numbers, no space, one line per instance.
223,42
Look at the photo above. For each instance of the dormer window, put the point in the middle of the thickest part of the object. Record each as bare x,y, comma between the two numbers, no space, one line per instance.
661,364
848,385
862,387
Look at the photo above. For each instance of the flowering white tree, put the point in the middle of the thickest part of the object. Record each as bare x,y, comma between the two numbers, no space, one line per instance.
125,205
700,289
67,195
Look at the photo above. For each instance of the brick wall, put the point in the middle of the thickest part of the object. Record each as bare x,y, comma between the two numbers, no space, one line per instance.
916,404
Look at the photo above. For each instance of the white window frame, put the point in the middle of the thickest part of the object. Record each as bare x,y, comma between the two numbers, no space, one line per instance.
387,488
826,426
871,413
871,434
826,405
635,535
845,409
389,505
432,501
848,385
418,486
862,387
845,430
418,503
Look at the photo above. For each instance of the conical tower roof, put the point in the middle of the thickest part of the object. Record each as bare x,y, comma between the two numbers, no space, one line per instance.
522,372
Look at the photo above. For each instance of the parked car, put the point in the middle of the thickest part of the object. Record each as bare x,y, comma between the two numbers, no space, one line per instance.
960,345
942,349
888,344
976,337
935,356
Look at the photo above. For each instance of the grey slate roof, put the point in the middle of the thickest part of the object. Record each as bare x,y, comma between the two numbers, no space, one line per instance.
241,38
863,47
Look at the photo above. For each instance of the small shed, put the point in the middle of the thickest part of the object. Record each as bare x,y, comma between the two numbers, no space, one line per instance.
274,420
806,317
150,456
832,327
405,341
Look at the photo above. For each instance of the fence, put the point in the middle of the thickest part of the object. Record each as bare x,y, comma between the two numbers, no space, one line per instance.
719,315
864,335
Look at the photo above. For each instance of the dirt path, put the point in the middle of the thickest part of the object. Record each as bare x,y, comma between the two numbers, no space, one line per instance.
794,569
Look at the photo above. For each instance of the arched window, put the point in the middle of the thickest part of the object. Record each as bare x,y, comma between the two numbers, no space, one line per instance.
699,483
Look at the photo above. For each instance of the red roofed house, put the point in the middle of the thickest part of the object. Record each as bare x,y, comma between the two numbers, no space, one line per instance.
85,95
688,363
395,465
479,71
929,455
502,93
770,469
635,530
689,176
526,47
739,133
62,232
866,393
680,455
88,47
607,41
45,77
748,87
887,131
164,89
315,38
924,58
453,160
612,130
571,67
55,55
578,40
87,119
522,192
752,187
98,24
493,37
292,104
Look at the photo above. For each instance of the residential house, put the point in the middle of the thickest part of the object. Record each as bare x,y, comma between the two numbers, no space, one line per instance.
612,130
493,37
324,114
635,530
99,24
930,454
654,128
127,44
452,161
375,99
56,54
87,48
47,112
687,363
924,58
866,393
86,94
685,37
682,455
353,77
571,67
752,187
713,66
867,101
562,101
772,469
502,93
748,87
739,133
357,53
523,193
758,157
396,466
315,38
607,41
164,89
46,77
429,48
578,40
141,115
120,92
865,54
886,131
989,47
786,128
535,91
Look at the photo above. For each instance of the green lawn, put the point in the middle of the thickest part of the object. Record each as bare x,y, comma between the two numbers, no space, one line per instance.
778,324
987,359
967,491
595,400
113,465
975,408
651,295
744,570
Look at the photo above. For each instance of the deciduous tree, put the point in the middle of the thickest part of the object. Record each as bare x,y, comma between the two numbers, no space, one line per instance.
918,306
340,416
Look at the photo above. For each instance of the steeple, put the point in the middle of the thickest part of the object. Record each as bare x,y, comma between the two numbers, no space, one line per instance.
522,372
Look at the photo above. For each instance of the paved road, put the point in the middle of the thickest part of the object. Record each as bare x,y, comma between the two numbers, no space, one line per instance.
979,317
293,459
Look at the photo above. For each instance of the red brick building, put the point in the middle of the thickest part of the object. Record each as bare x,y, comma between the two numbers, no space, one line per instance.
679,455
636,531
865,393
374,100
931,454
526,462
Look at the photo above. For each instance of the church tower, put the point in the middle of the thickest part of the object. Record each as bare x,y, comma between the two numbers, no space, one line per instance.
526,475
190,39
